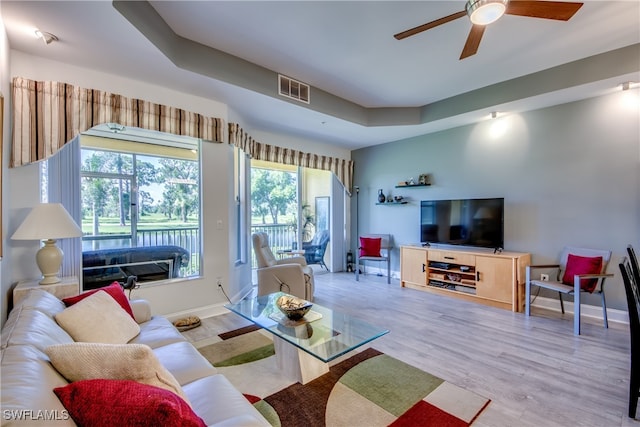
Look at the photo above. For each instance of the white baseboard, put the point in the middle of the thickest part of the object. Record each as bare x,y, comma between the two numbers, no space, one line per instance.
593,311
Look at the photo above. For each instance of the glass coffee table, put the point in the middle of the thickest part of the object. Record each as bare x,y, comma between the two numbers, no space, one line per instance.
305,347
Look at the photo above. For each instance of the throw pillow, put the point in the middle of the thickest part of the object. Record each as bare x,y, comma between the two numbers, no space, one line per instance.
114,289
582,265
137,362
102,402
370,246
98,318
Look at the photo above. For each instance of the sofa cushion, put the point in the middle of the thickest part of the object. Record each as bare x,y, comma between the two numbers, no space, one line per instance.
222,411
43,301
84,361
173,358
32,327
98,318
114,290
157,332
27,385
102,402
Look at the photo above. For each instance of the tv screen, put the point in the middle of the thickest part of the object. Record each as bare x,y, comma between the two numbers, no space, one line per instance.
468,222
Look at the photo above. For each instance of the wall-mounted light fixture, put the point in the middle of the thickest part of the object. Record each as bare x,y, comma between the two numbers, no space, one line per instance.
628,85
47,38
494,114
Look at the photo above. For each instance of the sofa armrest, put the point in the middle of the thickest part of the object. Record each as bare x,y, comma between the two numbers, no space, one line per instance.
141,310
299,260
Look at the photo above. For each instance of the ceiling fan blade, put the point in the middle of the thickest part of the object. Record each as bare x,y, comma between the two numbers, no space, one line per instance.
473,41
559,10
429,25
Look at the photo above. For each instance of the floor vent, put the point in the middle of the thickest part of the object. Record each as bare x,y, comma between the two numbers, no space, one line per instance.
293,89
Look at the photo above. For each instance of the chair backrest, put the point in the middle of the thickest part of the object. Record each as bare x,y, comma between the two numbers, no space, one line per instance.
585,252
263,252
633,260
633,303
385,242
321,238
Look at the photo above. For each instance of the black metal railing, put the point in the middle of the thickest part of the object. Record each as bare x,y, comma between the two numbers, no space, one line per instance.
187,238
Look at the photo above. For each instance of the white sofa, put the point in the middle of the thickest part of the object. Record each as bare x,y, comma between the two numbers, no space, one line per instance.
28,378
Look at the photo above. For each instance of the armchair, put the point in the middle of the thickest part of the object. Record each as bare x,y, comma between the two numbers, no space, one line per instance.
291,275
374,247
315,249
579,270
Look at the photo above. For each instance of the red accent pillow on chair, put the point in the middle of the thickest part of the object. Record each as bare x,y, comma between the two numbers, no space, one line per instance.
370,246
582,265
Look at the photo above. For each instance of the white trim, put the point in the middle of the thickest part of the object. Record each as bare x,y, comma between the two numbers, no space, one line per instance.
592,311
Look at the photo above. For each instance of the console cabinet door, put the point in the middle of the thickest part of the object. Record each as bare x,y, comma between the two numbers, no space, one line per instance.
414,266
495,278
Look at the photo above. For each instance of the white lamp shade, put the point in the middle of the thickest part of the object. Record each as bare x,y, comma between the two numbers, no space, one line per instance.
47,221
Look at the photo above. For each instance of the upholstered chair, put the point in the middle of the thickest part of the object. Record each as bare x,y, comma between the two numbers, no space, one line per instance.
291,275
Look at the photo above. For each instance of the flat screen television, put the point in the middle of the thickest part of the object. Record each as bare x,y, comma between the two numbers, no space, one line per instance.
467,222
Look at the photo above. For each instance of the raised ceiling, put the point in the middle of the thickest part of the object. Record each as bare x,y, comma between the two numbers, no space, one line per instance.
366,86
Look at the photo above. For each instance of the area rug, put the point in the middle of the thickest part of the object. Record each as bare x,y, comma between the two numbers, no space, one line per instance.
368,389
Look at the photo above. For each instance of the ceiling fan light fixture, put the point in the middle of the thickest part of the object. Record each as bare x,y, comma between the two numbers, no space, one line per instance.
484,12
47,38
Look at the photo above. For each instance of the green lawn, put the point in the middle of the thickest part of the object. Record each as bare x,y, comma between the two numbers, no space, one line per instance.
111,225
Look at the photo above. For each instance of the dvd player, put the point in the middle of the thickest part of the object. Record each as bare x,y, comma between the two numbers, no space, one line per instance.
441,265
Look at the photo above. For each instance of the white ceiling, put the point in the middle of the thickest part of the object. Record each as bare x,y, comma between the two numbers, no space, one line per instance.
345,48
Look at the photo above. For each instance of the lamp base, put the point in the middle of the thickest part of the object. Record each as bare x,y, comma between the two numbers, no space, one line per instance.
49,259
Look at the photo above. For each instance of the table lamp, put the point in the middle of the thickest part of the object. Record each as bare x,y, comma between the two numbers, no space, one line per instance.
48,222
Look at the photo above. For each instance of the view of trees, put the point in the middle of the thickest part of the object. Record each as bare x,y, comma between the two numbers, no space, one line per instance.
167,187
273,193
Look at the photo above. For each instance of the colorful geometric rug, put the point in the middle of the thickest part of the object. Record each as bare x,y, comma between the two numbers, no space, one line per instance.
368,389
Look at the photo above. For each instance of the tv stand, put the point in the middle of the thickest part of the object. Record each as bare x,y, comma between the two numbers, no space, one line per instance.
495,279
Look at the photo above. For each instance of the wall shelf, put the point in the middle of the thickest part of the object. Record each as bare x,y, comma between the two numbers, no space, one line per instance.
403,202
412,185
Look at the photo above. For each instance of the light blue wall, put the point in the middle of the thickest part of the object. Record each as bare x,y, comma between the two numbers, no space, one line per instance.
570,175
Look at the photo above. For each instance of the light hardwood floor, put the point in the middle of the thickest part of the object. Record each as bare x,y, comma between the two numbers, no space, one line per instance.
535,371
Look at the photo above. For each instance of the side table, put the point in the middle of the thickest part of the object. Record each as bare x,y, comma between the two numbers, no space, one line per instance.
67,287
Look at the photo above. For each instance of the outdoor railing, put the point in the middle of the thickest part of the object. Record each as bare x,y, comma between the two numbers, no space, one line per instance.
187,238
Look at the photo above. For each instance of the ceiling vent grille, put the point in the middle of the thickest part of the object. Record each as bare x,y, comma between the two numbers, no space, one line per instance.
293,89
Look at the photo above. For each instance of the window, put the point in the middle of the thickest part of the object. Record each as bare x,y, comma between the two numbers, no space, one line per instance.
140,209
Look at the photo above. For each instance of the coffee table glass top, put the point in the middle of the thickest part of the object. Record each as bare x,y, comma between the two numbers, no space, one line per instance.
323,333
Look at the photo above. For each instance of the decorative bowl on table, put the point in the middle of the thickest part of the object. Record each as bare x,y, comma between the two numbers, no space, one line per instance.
292,307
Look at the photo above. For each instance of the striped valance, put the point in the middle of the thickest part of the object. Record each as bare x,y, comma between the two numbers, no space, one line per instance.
46,115
342,169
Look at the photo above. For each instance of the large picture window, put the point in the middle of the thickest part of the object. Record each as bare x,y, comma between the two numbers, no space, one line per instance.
140,210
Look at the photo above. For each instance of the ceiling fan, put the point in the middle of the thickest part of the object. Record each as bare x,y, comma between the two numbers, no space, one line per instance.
484,12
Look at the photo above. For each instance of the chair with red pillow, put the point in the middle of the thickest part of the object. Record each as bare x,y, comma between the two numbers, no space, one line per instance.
579,270
374,247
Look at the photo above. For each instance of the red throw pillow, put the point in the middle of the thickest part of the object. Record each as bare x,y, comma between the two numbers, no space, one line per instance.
582,265
102,402
370,246
114,289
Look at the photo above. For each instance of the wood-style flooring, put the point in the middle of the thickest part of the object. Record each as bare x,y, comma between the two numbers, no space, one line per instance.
534,370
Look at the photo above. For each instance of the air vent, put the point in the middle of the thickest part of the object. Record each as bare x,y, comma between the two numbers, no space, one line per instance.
293,89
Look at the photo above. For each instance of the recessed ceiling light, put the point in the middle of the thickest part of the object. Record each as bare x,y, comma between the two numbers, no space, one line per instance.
47,38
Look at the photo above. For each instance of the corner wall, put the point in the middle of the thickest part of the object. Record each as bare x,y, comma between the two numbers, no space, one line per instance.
570,175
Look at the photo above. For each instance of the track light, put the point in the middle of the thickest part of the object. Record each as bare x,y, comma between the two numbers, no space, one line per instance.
47,38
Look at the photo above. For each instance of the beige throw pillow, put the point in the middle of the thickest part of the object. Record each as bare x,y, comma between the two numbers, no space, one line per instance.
136,362
98,318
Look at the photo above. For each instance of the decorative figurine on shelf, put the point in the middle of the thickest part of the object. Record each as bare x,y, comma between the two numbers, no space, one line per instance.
411,182
389,199
381,197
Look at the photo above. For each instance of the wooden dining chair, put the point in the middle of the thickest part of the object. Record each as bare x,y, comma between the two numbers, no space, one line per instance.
633,304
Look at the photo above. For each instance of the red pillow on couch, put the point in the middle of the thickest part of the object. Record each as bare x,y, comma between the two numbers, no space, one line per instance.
582,265
114,289
370,246
102,402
